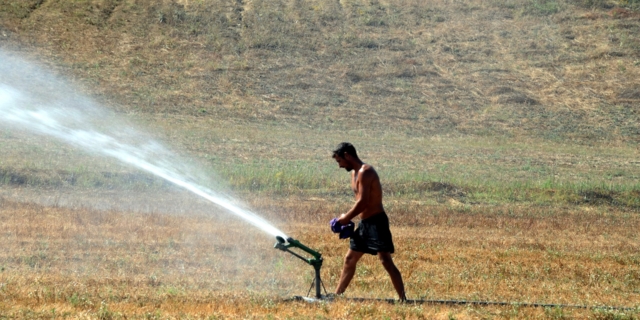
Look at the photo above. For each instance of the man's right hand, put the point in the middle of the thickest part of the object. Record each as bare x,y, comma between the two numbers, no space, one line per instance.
343,220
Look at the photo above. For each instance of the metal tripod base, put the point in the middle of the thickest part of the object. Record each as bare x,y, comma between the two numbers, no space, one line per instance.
317,282
324,298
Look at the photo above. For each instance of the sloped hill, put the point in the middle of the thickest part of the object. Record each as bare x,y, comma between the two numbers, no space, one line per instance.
562,70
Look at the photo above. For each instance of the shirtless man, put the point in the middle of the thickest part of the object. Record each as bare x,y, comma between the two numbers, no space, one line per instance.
372,235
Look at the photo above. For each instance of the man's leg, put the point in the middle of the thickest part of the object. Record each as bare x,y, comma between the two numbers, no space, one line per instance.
394,273
348,270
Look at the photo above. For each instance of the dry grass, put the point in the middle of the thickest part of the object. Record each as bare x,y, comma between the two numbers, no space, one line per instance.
549,69
79,263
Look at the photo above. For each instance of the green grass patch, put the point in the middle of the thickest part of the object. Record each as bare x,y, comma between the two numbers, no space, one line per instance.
307,178
466,169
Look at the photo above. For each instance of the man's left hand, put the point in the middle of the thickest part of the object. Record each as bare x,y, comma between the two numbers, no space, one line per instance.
345,230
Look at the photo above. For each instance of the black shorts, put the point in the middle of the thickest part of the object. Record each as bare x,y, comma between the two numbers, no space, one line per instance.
373,235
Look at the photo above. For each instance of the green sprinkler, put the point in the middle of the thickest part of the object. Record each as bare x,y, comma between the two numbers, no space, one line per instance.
316,261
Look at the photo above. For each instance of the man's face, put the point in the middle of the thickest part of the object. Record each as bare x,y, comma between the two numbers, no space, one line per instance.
343,163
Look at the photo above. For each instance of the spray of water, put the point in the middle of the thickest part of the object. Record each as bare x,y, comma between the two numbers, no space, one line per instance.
33,100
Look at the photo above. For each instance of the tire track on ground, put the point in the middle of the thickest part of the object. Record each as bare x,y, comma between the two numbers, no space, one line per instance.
236,18
32,8
110,9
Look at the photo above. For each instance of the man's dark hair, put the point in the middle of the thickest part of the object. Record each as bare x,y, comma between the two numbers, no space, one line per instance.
345,147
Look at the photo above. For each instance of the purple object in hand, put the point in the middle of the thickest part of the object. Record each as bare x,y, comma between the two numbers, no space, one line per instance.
345,230
336,227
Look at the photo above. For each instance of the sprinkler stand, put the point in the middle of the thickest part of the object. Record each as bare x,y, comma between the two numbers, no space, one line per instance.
316,261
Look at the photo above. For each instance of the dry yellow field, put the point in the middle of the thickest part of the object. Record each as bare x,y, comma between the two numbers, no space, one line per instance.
84,263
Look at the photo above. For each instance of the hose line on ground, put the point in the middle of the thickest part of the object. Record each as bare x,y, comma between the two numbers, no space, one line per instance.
465,302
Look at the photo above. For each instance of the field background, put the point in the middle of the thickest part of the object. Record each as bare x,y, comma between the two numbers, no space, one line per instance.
505,133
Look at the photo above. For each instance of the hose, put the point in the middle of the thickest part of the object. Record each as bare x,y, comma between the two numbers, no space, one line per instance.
465,302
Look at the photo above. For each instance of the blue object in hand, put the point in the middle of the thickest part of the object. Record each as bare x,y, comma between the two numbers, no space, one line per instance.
345,230
336,227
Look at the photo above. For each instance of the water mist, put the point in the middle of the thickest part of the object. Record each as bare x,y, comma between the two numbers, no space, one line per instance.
39,102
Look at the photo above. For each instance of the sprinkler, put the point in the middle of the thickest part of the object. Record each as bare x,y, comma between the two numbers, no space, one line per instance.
315,261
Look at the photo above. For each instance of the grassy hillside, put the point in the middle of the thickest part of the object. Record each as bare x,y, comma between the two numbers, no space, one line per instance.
551,69
501,101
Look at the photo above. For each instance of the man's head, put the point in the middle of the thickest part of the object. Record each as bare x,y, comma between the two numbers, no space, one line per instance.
345,155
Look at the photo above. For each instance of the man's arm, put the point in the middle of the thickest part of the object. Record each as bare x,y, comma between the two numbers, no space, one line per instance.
363,185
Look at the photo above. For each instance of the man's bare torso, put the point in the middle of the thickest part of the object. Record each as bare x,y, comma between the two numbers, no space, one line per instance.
374,203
